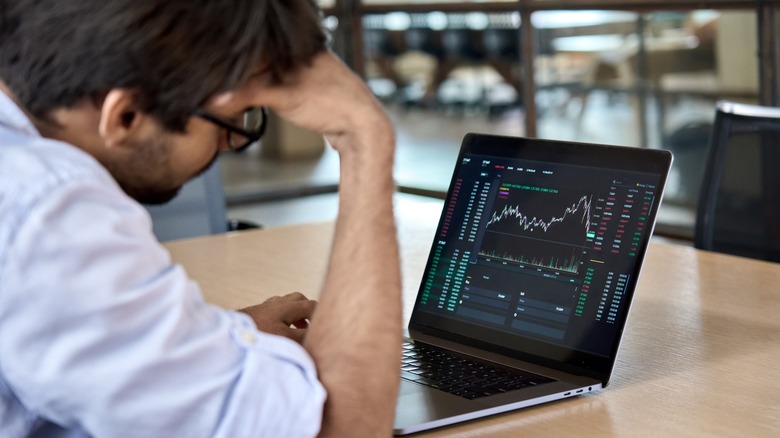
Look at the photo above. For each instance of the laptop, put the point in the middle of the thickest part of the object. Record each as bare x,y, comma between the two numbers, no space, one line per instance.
529,280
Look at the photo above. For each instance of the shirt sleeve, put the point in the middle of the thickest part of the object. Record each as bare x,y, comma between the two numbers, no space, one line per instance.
101,332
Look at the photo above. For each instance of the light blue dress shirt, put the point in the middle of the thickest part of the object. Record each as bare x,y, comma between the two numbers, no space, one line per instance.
101,335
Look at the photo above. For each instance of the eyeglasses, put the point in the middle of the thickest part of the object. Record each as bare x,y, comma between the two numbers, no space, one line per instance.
242,135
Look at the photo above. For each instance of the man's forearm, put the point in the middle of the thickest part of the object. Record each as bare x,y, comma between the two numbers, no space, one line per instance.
355,332
355,336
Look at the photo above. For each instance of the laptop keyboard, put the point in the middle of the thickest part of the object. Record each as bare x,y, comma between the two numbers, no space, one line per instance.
461,376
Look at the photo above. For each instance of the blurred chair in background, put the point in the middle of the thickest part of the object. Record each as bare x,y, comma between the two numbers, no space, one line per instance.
381,50
198,210
739,208
461,49
423,49
502,52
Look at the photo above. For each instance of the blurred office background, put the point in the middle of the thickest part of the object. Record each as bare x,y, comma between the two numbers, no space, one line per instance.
635,73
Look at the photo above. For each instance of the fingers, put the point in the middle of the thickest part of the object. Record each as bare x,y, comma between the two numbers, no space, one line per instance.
301,324
286,315
293,309
294,334
292,312
294,296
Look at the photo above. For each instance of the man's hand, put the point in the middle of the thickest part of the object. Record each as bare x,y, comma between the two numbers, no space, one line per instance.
325,97
286,316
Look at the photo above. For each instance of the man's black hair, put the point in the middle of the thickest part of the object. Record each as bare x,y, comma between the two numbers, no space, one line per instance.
175,53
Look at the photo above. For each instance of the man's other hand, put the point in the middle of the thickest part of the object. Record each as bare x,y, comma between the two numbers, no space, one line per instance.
286,316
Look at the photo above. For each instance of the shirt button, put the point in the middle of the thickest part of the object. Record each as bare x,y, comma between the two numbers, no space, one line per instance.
248,337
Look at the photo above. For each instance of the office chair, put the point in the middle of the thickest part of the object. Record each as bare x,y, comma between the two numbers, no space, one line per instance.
502,52
739,205
461,47
198,210
381,49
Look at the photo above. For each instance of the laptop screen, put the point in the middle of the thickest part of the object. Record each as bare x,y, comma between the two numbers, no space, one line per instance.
539,247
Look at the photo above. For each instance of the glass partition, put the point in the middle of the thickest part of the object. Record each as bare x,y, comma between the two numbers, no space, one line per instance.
648,80
634,78
776,34
400,3
582,60
442,75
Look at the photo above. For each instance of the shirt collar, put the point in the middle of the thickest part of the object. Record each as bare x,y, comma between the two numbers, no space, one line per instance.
11,116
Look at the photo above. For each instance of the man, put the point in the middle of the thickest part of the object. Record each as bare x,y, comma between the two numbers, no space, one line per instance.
105,103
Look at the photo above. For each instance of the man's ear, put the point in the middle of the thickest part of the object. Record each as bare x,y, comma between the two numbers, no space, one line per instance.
120,119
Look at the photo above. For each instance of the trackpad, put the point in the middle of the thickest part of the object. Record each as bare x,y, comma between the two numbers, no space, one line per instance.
418,404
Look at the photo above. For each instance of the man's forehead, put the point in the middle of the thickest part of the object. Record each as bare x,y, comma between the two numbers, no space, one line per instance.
235,97
229,101
221,99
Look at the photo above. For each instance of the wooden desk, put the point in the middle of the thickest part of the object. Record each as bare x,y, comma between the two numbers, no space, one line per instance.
700,357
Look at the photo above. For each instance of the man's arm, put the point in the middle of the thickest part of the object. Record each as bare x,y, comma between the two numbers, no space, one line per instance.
355,336
355,333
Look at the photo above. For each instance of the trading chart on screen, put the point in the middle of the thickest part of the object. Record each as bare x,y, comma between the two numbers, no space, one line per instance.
542,249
